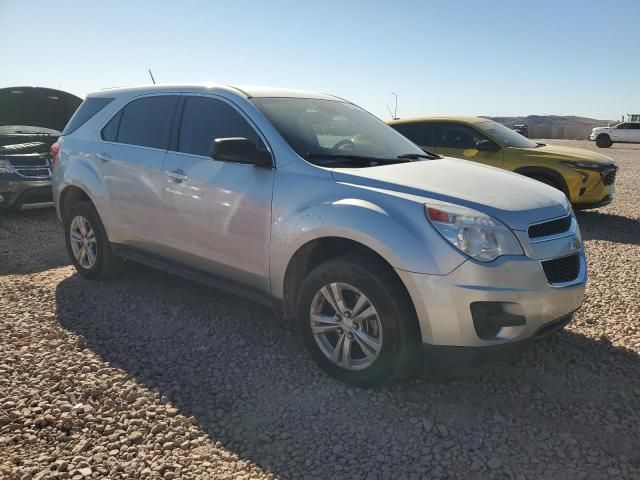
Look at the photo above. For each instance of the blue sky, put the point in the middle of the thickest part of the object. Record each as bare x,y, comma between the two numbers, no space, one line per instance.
440,57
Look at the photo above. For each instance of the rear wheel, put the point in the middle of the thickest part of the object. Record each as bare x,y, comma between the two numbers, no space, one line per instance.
87,243
603,141
357,321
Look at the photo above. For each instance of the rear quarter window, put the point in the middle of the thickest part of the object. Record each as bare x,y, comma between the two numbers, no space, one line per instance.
110,131
85,112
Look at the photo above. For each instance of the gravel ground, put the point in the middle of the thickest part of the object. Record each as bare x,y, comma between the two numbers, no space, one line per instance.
150,376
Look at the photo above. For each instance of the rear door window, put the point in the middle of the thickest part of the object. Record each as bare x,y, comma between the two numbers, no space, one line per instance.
205,119
86,111
145,122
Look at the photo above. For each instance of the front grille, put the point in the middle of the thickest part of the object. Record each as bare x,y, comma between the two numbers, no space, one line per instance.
30,147
609,177
554,227
563,269
30,165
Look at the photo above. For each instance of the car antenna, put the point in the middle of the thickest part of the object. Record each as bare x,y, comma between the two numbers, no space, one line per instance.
394,114
151,75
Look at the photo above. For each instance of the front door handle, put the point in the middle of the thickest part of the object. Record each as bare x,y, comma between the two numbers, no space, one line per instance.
104,156
177,176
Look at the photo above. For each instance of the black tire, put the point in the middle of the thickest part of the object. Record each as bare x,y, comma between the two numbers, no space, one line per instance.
603,141
106,264
400,349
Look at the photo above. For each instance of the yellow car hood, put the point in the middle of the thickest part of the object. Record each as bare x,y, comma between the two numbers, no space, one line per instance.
556,152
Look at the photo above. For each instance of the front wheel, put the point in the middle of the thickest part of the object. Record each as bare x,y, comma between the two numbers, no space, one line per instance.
357,322
603,141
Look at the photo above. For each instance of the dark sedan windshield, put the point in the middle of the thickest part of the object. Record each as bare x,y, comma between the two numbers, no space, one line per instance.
505,136
335,132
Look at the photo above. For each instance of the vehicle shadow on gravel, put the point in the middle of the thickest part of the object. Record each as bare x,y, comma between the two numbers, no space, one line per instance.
31,241
610,227
240,370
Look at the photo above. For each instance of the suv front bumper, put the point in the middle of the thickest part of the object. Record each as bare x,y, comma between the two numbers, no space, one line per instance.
20,193
518,286
461,360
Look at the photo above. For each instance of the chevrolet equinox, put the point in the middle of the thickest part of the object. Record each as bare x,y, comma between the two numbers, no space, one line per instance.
380,253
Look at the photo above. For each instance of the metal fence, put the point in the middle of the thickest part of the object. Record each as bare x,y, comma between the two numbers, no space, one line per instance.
569,132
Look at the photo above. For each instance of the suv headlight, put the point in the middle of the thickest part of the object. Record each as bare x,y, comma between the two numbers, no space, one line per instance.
474,233
5,167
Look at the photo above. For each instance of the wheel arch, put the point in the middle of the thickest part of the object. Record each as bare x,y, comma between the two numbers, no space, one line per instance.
322,249
70,195
545,172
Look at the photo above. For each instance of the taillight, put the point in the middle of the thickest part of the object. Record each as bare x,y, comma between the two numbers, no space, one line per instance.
54,153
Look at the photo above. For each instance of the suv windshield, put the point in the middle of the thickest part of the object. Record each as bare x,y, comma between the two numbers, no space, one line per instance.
505,136
335,133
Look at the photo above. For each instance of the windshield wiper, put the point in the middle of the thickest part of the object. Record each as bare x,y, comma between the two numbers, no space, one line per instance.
415,156
360,158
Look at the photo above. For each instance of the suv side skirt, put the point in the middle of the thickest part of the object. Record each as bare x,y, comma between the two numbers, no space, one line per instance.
195,275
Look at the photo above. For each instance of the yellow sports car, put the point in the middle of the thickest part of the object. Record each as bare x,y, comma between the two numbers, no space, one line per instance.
587,178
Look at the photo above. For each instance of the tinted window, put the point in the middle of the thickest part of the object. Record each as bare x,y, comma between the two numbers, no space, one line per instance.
88,109
110,130
451,135
634,126
204,119
504,135
147,121
421,134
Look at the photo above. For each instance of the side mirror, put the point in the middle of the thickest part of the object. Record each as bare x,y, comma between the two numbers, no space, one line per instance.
487,146
240,150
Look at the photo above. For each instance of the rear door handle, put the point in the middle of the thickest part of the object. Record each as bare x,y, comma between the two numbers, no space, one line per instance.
177,176
104,156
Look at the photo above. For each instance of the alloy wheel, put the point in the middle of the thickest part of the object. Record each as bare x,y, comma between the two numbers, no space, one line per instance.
83,242
346,326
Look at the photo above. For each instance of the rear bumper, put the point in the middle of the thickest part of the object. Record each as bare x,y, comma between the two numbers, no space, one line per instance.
25,194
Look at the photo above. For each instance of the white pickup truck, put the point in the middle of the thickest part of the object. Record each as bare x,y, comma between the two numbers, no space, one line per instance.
625,132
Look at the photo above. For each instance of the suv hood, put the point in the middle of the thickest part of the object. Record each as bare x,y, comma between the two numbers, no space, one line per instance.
513,199
556,152
37,107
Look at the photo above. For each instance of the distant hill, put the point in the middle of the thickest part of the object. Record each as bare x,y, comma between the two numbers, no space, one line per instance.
532,120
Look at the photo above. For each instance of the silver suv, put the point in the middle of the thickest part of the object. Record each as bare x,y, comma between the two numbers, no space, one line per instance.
382,254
